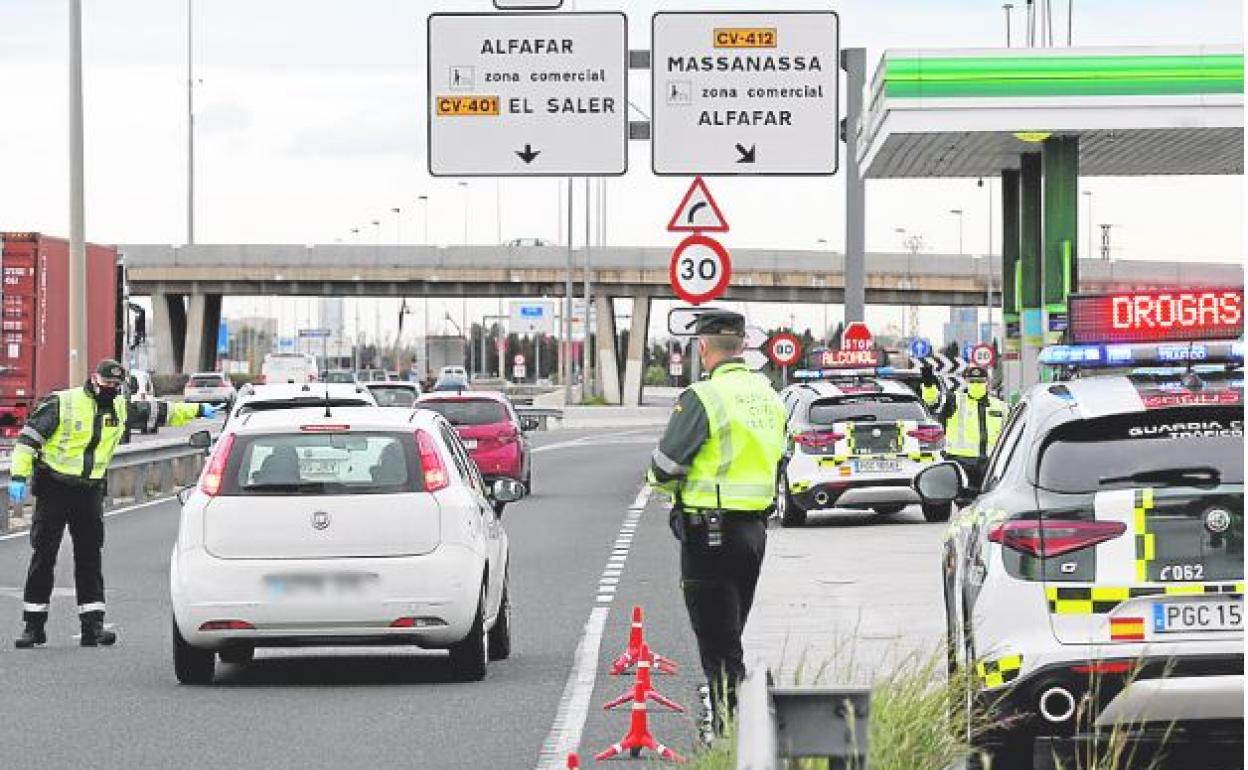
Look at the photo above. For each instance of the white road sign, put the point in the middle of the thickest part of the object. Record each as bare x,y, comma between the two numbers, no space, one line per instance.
528,94
532,317
527,5
745,93
754,359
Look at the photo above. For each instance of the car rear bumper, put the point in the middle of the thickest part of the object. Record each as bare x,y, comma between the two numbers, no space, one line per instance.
503,462
862,492
441,588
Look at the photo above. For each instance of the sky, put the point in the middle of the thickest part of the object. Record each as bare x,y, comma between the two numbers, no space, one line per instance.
310,122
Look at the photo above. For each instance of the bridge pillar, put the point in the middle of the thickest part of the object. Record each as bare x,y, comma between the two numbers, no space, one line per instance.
203,320
635,367
1030,265
169,331
608,361
1012,342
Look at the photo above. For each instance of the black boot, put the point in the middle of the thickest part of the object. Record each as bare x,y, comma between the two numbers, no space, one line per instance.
94,634
33,634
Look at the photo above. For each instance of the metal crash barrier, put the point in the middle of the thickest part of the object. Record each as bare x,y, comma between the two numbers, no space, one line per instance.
138,473
775,724
541,415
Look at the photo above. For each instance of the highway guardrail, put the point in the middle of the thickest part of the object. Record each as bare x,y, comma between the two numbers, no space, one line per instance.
138,473
775,724
542,414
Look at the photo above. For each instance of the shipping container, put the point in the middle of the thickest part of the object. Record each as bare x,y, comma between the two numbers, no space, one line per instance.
34,350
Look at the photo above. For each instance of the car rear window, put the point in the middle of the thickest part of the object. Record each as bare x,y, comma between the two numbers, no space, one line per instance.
827,411
323,464
394,396
346,377
297,403
476,411
1145,449
206,381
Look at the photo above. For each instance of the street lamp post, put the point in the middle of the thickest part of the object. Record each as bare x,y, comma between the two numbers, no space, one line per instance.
958,213
77,217
464,186
190,125
1088,194
424,209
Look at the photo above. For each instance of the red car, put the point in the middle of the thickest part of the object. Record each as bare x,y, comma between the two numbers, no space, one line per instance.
490,429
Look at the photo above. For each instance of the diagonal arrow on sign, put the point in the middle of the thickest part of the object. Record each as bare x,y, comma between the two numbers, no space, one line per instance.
755,338
755,359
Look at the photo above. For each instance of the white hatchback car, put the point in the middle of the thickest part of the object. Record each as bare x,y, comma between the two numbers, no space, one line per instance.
280,397
367,527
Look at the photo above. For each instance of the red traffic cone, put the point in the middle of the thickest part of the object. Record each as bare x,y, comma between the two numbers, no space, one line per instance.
639,736
632,654
644,680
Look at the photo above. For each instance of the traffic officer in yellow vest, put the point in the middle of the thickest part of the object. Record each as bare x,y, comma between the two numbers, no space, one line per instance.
972,418
62,454
718,461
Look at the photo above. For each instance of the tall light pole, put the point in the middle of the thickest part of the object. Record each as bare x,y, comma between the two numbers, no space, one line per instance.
1009,12
1088,194
464,186
190,124
376,300
77,216
423,200
398,225
958,213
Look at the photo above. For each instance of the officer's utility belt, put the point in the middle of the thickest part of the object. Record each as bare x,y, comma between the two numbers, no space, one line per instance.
45,475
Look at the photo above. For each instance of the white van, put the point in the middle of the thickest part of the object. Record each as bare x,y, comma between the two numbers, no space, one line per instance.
293,368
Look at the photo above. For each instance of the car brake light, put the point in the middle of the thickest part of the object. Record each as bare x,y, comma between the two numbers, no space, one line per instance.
214,474
927,434
1104,667
324,428
818,439
226,625
260,379
431,462
1046,538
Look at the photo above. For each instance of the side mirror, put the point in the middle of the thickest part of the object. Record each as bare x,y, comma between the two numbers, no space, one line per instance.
507,491
200,439
941,483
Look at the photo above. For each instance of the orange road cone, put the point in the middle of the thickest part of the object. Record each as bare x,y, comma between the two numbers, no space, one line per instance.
632,653
644,680
639,736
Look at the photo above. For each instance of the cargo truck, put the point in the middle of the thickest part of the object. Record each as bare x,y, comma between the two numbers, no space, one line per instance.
34,350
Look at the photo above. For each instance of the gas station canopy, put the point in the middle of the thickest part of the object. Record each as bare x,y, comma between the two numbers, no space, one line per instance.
1136,111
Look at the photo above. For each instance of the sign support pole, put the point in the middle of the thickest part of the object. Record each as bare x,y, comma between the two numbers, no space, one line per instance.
587,367
854,62
566,370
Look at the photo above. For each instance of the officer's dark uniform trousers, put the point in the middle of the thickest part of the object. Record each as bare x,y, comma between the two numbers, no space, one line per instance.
718,585
80,506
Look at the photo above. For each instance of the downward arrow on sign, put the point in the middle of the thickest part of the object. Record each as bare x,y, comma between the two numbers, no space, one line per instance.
528,154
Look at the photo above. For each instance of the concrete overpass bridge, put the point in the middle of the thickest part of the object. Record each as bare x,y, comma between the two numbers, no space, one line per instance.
187,283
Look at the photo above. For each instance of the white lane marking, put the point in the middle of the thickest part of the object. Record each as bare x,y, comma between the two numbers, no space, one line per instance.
107,514
599,440
565,733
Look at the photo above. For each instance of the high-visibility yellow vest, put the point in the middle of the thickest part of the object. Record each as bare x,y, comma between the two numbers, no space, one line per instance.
736,468
964,436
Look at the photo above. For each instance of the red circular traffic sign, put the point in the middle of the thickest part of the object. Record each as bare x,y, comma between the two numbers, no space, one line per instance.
856,336
675,358
518,359
700,269
784,349
984,355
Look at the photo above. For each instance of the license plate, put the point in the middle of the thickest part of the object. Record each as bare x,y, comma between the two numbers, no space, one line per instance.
315,585
318,467
1196,616
470,443
877,466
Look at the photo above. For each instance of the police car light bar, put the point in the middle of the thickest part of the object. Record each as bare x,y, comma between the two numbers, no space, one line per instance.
1130,356
831,374
1178,315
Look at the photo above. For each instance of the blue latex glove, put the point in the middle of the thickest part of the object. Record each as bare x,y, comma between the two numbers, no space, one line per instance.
209,412
17,490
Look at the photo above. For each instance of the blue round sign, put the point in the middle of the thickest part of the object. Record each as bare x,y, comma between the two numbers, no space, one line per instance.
966,351
920,347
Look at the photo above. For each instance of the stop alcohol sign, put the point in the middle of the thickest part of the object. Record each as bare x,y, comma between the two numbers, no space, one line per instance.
784,349
856,337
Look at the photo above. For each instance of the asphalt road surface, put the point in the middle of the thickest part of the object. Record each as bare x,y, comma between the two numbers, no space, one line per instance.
64,706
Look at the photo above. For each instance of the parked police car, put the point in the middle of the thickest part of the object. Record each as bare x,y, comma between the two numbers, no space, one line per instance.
1095,587
855,440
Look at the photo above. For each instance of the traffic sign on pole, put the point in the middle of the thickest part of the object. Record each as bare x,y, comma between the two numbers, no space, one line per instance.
754,359
920,347
700,269
745,93
683,321
856,336
755,338
984,356
698,212
784,349
528,94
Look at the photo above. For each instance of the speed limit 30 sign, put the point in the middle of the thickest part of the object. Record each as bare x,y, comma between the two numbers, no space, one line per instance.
784,349
700,269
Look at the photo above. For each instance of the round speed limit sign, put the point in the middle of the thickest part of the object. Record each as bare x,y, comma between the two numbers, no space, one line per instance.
700,269
784,349
983,355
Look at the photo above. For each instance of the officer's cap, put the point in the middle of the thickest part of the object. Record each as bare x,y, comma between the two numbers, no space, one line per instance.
721,322
110,369
977,373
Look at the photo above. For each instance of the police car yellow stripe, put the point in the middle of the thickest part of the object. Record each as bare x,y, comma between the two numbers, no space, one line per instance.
1101,600
999,672
1145,541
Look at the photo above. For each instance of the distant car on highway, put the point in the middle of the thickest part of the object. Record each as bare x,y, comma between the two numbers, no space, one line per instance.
855,441
1095,586
373,375
490,429
363,526
290,368
140,390
208,388
528,242
395,394
341,376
